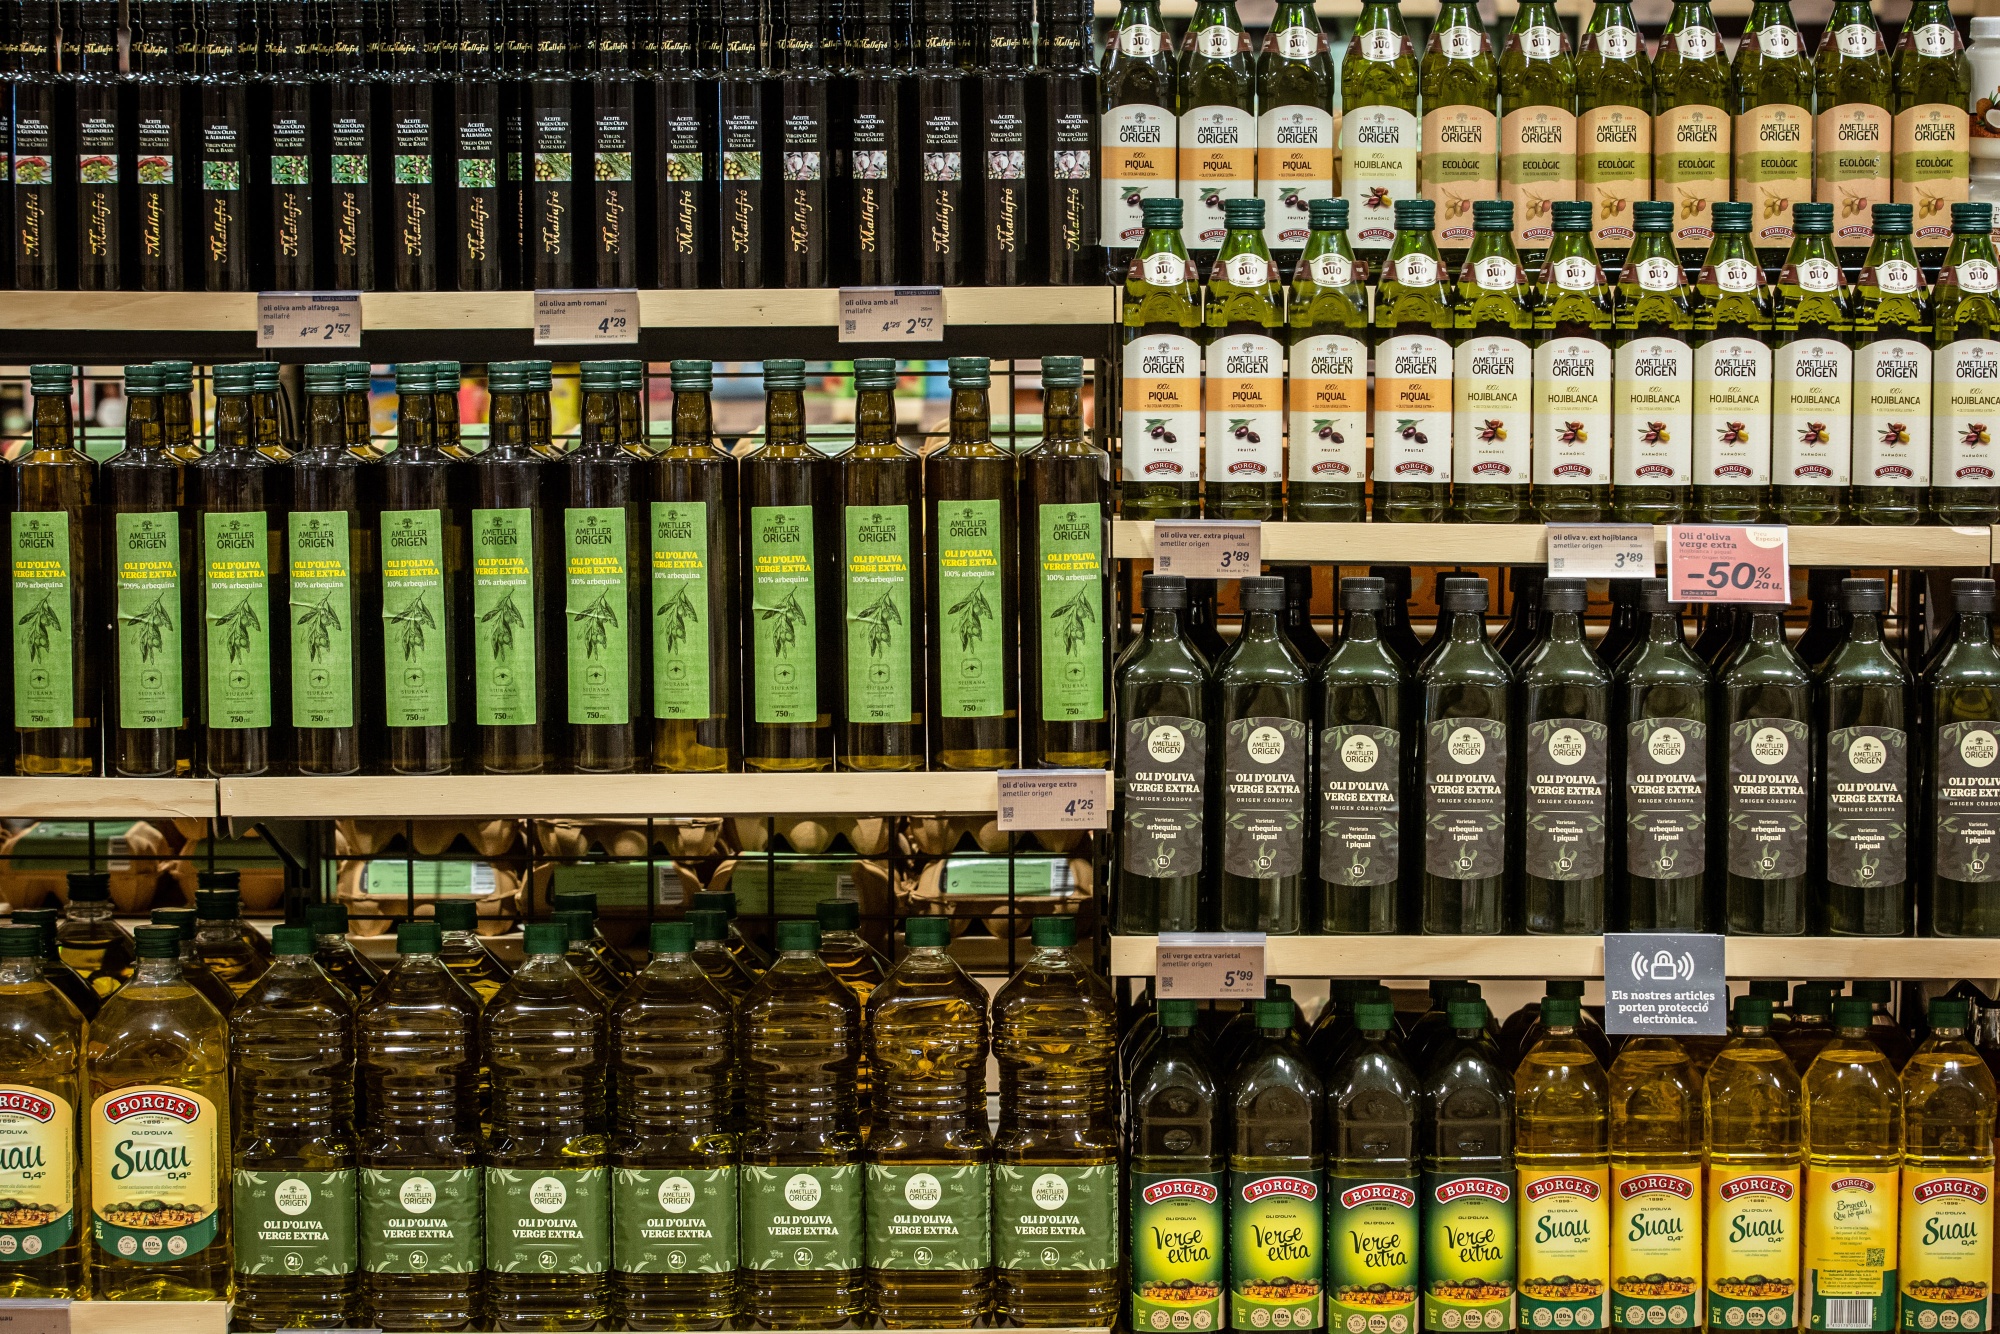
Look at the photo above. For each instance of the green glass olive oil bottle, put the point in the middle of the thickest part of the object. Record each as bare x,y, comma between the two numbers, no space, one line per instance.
1327,376
1812,376
1965,471
1572,375
1217,87
1364,704
1763,799
1614,129
879,482
1243,373
1959,710
1257,768
1771,81
149,551
1564,773
1380,135
1864,716
1413,369
1492,374
1138,130
1855,128
1538,150
1732,376
1660,815
1933,84
1466,711
330,544
1652,406
423,567
1295,127
55,589
1162,770
1892,377
1160,373
604,545
1461,134
1691,127
514,729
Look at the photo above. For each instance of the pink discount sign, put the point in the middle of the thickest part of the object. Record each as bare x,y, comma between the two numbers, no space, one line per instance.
1709,562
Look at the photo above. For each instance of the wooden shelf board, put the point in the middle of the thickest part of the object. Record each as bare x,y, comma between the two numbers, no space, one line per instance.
1526,544
154,1317
1531,957
107,798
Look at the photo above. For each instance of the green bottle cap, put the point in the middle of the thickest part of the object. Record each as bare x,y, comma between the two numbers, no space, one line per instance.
1161,213
708,924
1753,1011
1571,215
1243,214
182,920
599,377
1770,989
217,905
1653,215
838,915
1945,1012
546,938
1415,215
1730,216
25,942
1560,1011
506,377
1062,372
541,376
1463,1014
1276,990
691,376
176,377
264,375
360,376
325,377
1327,215
1179,1013
1493,215
1892,219
578,925
1274,1014
1053,933
1812,219
1851,1013
926,932
48,379
452,916
328,919
449,375
232,380
794,936
874,372
1374,1016
42,920
672,938
970,372
784,373
418,938
1971,219
631,375
142,380
89,886
721,900
291,940
415,377
574,900
218,880
1567,987
154,942
1876,991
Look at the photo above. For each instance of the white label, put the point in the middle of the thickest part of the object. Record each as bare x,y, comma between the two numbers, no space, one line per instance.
1819,275
1573,413
1600,551
1192,967
1331,270
1658,274
1574,274
1812,412
1936,39
1163,268
1495,273
1326,413
1976,276
1208,548
1140,41
1139,147
1416,270
1295,152
1737,275
1695,43
310,319
892,314
1892,413
1618,43
1856,39
1162,416
1462,42
1218,41
1652,414
1778,41
570,318
1732,413
1968,413
1379,44
1898,277
1378,157
1218,162
1541,42
1413,408
1032,799
1297,43
1492,387
1248,270
1244,377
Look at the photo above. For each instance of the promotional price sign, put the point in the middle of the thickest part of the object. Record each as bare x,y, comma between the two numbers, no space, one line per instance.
1208,548
1600,550
892,314
571,318
309,319
1729,563
1033,799
1194,965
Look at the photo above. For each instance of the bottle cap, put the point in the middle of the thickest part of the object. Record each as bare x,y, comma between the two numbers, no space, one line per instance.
1327,215
1466,1014
1243,214
708,925
1876,991
1892,219
1560,1011
1770,989
970,372
1176,1013
694,376
418,938
784,373
631,374
1493,215
1571,215
1053,933
1566,987
154,942
1653,597
25,942
1864,595
456,916
182,920
176,377
1262,592
1466,594
359,376
1809,1001
1161,213
218,880
1162,592
330,919
1851,1013
579,925
449,375
1987,27
872,373
52,379
89,886
1753,1011
574,900
599,377
926,932
142,380
323,378
672,938
794,936
264,375
1274,1014
414,377
230,381
1653,215
545,937
1972,595
1730,216
1276,990
541,376
1374,1016
838,915
1358,594
217,905
1415,215
291,940
1971,219
1812,219
721,900
1062,372
1945,1011
1565,595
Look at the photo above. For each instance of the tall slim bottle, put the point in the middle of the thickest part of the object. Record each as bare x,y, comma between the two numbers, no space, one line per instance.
1373,1105
413,240
288,140
1855,128
330,549
1492,374
1760,752
479,238
1243,370
1538,148
1469,1178
1947,1197
693,483
1326,397
422,559
90,61
1864,716
1958,711
146,558
1277,1174
1812,379
1563,1142
1178,1240
514,728
605,588
879,483
1002,159
1413,367
1296,134
36,241
1138,130
1771,82
350,84
1572,375
1363,861
1656,1186
944,143
683,138
553,244
1732,377
227,66
1162,769
1854,1157
1893,369
1754,1159
1071,200
1660,715
1614,101
805,140
1691,127
1160,376
1652,410
1461,133
1965,471
1380,136
1932,77
1260,702
42,1037
614,85
1217,88
158,64
1565,774
1466,709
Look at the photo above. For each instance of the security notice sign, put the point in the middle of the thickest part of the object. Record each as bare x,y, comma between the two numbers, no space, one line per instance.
1665,985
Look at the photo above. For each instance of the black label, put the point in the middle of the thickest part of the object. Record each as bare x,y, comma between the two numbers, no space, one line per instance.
1360,805
614,133
1666,797
941,133
1465,780
1968,802
350,134
683,132
870,130
96,134
1568,798
477,138
1165,759
1867,806
220,141
742,134
1264,798
413,135
1767,798
1006,129
31,134
552,132
157,132
290,136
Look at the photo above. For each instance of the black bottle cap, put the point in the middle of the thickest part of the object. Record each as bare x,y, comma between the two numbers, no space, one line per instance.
1864,595
1653,596
1263,593
1565,595
89,886
1467,593
1364,594
1396,577
1163,592
1823,584
1972,595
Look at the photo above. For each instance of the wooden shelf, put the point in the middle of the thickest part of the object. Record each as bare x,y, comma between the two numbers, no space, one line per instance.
1498,957
153,1317
107,798
1526,544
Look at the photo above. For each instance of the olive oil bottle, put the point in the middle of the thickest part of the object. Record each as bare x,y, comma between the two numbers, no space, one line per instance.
1466,711
1812,379
1614,99
1373,1101
1691,128
1572,375
514,730
1070,98
1177,1239
1892,377
805,141
1162,768
1461,135
1492,374
1469,1177
1660,812
1947,1225
1216,88
945,144
478,146
1764,798
614,83
1003,116
1652,409
1364,714
336,956
693,485
1771,81
684,147
1413,366
1864,707
1065,582
1243,372
1965,471
1262,711
1380,135
1138,129
1958,711
1656,1186
408,73
148,551
1327,375
1854,1156
553,144
225,68
740,129
1563,1142
286,141
1277,1174
422,560
1754,1158
1932,77
91,70
1538,146
89,938
330,550
1732,377
158,62
1160,373
351,89
604,587
880,484
1854,131
42,1036
1565,774
1295,127
37,88
55,589
789,665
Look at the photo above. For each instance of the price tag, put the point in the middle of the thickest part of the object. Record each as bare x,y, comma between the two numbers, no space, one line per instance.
573,317
1190,965
1033,799
1600,550
1208,548
1728,563
34,1316
309,319
892,314
1665,985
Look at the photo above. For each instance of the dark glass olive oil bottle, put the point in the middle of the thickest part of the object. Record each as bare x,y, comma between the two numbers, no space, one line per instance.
877,76
552,240
156,72
36,88
806,142
147,562
1262,707
422,563
1466,713
879,483
288,138
1864,716
615,248
1564,772
1959,711
330,552
683,136
1162,769
91,68
1763,800
1363,779
350,93
514,730
1003,140
943,142
1069,102
693,488
479,237
227,65
740,134
410,79
1660,812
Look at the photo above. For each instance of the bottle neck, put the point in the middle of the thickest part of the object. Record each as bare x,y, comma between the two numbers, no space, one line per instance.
1362,627
785,417
156,972
1664,627
971,417
1260,624
90,910
1062,414
1890,247
1810,245
1163,624
600,418
875,418
20,970
236,423
1864,627
1975,627
1767,627
1458,14
694,417
1564,627
1467,627
326,422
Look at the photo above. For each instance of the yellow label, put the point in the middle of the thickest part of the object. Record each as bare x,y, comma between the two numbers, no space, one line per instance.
1565,1245
1615,166
1850,1251
154,1179
1945,1266
37,1171
1753,1246
1656,1247
1854,168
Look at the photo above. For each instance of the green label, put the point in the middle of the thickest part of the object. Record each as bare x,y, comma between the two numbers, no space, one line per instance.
237,580
802,1218
1277,1249
673,1220
680,610
879,623
44,622
1468,1251
421,1222
1050,1217
415,678
148,590
1178,1251
322,591
503,617
931,1217
294,1224
554,1220
1371,1255
1073,590
970,667
595,575
784,621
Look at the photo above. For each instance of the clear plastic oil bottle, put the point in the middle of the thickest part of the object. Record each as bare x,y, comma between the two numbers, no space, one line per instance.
222,938
1373,1227
1945,1264
1656,1190
1277,1178
1854,1159
89,937
712,954
468,959
1174,1151
41,1139
1755,1155
1562,1146
1470,1250
335,953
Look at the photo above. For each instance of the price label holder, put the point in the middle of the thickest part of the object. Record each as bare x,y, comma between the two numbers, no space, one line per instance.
1196,965
1037,799
578,318
1600,550
1729,563
1668,986
1208,548
308,319
892,314
34,1316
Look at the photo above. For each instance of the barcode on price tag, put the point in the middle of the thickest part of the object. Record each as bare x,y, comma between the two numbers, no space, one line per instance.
1032,799
1728,563
309,319
34,1316
1600,550
569,318
892,314
1190,965
1208,548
